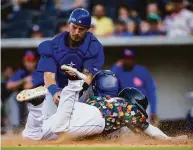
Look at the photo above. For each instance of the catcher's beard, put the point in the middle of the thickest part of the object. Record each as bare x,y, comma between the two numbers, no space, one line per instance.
74,44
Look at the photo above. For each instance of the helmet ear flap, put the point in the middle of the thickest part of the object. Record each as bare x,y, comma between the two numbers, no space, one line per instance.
135,96
93,83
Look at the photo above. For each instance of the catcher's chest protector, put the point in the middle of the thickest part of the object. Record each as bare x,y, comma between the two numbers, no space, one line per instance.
68,56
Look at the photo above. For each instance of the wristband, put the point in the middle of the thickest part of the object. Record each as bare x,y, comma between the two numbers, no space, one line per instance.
53,89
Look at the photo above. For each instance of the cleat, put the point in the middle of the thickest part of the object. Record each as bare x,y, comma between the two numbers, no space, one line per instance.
30,94
79,74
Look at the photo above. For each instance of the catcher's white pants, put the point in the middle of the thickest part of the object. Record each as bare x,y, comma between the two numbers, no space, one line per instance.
77,119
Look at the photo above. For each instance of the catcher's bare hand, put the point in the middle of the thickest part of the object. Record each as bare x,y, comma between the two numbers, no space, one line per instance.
71,75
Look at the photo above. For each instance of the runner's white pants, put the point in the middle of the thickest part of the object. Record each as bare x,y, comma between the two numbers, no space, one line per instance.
77,119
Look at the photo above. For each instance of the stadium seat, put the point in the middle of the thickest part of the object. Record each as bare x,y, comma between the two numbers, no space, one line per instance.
64,14
15,29
21,15
47,25
48,33
47,15
5,26
21,25
15,34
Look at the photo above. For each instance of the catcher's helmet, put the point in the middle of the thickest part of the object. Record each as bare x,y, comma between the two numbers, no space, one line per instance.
105,83
135,96
80,16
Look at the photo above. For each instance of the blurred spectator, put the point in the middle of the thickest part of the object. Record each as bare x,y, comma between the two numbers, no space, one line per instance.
121,29
68,5
169,7
37,35
110,8
143,27
17,23
130,17
29,4
23,79
152,9
6,74
104,25
131,27
93,26
154,28
62,27
123,14
17,4
180,21
131,74
135,17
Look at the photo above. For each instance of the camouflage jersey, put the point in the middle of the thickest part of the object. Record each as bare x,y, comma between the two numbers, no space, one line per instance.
119,112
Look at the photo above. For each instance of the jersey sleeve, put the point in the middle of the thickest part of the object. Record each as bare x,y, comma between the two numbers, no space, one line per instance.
95,63
138,120
20,74
116,68
46,62
37,78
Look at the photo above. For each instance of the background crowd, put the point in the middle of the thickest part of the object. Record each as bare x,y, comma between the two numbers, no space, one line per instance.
124,18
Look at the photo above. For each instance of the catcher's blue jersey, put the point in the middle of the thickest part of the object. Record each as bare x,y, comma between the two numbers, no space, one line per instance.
56,52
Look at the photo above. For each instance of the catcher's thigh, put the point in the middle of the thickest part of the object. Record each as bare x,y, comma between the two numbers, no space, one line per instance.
49,107
86,120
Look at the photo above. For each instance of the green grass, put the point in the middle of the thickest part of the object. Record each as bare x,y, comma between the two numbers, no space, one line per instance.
97,148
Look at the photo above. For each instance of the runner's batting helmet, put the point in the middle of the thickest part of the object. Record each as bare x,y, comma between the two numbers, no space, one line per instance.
135,96
80,16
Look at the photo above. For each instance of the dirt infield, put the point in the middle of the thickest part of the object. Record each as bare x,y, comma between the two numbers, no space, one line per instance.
64,141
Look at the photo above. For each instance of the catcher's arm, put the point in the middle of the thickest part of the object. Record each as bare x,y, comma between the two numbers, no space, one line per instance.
49,78
88,75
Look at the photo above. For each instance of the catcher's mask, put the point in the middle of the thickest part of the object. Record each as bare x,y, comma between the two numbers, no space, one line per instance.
136,97
105,83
